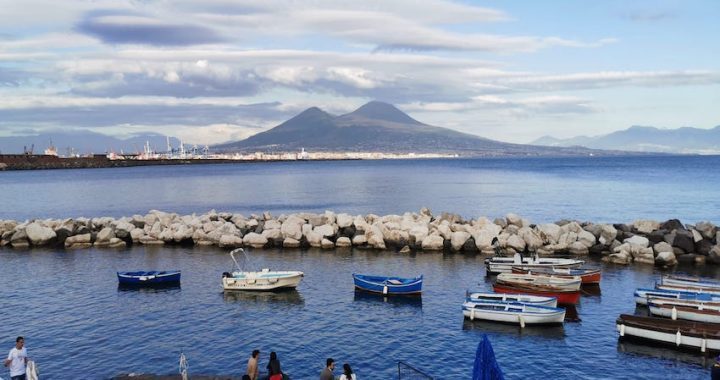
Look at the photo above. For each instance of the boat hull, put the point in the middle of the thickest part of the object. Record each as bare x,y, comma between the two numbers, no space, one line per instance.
266,282
690,281
642,295
527,299
515,313
587,276
701,336
539,282
689,311
375,284
689,289
149,278
563,297
496,265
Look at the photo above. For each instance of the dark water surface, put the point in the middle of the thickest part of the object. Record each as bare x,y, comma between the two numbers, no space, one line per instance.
77,321
600,189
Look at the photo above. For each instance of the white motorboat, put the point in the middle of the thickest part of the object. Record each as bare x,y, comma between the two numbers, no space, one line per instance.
539,282
528,299
512,312
499,264
685,309
263,280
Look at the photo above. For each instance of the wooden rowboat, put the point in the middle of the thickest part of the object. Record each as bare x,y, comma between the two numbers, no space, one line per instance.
689,281
684,309
540,281
499,264
563,297
388,285
513,312
528,299
700,335
688,288
588,276
642,295
149,278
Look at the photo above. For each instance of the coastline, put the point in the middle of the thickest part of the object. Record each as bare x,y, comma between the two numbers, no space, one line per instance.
642,241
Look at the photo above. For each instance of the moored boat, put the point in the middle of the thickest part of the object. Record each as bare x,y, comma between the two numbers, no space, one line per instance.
570,297
528,299
499,264
688,288
262,280
642,295
388,285
588,276
704,336
685,309
539,281
512,312
149,278
689,281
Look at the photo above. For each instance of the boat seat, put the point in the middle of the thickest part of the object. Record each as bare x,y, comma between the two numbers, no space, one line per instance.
395,282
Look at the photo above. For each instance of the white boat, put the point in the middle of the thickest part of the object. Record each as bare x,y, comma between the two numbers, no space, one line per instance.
642,295
513,312
262,280
685,309
688,289
540,282
505,297
499,264
704,336
689,281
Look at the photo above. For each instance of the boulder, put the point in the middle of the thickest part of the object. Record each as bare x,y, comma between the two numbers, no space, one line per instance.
79,241
314,238
272,224
662,247
714,255
123,228
359,240
39,234
433,243
707,230
458,239
618,258
343,242
405,249
514,219
645,226
375,237
254,240
586,238
638,240
290,243
550,233
578,248
105,235
326,230
516,243
150,240
672,224
531,237
292,228
344,220
684,240
666,258
116,243
657,236
327,244
703,247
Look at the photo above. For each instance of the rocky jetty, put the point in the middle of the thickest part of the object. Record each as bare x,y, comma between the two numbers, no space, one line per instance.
643,241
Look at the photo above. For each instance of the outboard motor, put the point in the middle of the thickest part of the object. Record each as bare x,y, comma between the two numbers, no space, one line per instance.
226,275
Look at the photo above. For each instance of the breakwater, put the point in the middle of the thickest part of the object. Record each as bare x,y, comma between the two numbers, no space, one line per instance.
39,162
642,241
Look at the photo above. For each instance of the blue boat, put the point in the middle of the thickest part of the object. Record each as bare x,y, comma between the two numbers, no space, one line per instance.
643,294
388,285
149,278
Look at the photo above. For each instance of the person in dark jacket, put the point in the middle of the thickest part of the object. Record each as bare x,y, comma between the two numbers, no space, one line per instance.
273,366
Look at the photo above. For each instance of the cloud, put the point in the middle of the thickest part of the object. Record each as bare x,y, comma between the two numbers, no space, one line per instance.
521,106
605,79
649,15
146,30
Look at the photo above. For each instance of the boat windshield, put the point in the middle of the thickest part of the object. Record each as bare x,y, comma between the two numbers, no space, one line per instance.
242,260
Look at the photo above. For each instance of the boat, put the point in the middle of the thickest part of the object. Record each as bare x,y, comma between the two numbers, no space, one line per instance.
700,335
642,295
588,276
263,280
688,288
513,312
149,278
528,299
689,281
388,285
685,309
570,297
499,264
539,281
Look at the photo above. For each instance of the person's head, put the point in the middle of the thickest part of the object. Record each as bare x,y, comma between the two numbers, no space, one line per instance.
255,353
347,370
19,342
330,363
273,356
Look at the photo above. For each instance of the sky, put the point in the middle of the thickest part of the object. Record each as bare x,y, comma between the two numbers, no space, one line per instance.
218,70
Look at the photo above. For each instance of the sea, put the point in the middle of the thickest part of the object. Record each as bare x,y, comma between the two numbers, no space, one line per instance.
78,324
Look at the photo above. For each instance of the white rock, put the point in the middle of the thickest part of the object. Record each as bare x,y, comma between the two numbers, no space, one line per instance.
514,219
549,232
136,234
359,240
344,220
707,229
662,247
375,237
327,244
273,234
433,243
314,238
608,233
666,258
586,238
638,240
326,230
39,234
578,248
458,239
290,243
515,242
696,236
532,238
343,241
646,226
105,235
254,240
444,229
272,224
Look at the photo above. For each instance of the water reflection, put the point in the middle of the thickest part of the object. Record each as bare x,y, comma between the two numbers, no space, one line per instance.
544,331
411,301
571,313
160,288
632,347
290,296
590,290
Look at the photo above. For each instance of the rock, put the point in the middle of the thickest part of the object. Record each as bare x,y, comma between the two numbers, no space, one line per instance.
638,240
550,233
293,228
586,238
272,224
79,241
116,243
531,237
618,258
343,242
396,238
359,240
150,240
666,258
38,234
672,224
254,240
598,249
620,227
314,238
578,248
646,226
500,222
375,237
266,215
290,243
344,220
663,247
433,243
405,249
470,246
183,233
514,219
684,240
105,235
696,236
703,247
458,239
425,212
656,236
122,229
516,243
327,244
326,230
700,260
707,229
714,255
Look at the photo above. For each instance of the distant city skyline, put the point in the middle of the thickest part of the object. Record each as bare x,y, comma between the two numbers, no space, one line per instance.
219,70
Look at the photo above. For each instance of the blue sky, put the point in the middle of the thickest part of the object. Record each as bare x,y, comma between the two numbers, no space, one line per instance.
219,70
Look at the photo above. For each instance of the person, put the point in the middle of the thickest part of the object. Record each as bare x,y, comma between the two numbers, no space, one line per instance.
348,373
17,360
715,370
246,377
252,366
273,367
327,373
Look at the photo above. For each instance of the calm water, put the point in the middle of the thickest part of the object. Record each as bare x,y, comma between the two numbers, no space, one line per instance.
544,190
79,325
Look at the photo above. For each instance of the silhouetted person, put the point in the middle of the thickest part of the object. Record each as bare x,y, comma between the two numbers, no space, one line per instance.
273,367
348,373
327,372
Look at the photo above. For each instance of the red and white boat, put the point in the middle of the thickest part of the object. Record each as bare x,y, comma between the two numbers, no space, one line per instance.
588,276
567,297
567,291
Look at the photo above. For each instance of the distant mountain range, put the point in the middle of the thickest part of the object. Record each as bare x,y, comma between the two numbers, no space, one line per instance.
647,139
380,127
83,142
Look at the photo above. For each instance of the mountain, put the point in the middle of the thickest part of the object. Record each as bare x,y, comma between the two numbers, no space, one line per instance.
83,142
685,140
378,127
